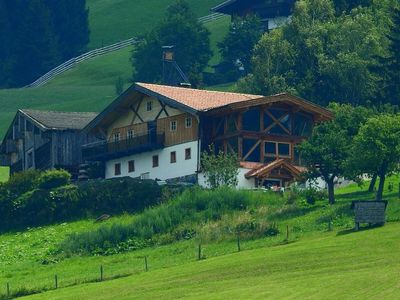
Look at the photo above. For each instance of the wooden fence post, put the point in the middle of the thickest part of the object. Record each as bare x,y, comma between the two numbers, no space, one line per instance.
8,291
56,281
287,232
238,243
145,264
199,252
101,272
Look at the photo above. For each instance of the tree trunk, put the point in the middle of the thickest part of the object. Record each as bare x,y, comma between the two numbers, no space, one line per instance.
372,183
379,193
331,190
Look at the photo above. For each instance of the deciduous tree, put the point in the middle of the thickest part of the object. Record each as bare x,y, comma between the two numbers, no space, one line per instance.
181,29
376,148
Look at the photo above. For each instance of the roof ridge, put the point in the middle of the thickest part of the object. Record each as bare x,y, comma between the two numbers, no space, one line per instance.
58,111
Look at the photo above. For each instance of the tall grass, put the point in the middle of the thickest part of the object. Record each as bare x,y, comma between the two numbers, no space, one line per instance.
194,206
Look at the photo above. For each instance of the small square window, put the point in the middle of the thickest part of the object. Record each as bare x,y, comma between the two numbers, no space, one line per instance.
188,123
188,153
131,166
117,137
117,169
149,105
130,134
173,157
283,149
173,125
155,161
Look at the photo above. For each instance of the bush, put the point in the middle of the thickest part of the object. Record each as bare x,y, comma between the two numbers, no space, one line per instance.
311,195
45,198
53,179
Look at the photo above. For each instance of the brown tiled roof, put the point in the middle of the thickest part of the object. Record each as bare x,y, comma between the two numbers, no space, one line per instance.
60,120
265,169
200,100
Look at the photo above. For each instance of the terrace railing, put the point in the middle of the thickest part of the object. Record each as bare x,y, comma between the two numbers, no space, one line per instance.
108,150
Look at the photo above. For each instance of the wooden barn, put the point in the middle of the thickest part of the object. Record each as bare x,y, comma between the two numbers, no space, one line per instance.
45,140
272,12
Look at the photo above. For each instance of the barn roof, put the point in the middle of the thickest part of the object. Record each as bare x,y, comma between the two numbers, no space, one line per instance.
56,120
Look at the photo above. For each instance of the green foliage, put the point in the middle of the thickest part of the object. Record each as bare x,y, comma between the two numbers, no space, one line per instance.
193,205
56,31
32,198
238,44
119,86
376,148
181,29
52,179
219,169
326,152
21,182
323,57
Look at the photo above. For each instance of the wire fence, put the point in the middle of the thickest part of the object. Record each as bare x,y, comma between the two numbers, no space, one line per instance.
98,52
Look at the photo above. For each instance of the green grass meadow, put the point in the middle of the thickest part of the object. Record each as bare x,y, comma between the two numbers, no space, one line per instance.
4,174
358,265
314,263
116,20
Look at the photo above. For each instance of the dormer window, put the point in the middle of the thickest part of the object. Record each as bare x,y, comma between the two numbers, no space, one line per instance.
149,105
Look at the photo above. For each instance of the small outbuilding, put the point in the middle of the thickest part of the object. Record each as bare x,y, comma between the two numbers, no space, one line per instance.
45,140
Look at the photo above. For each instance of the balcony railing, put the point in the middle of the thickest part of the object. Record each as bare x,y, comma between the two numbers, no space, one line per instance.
109,150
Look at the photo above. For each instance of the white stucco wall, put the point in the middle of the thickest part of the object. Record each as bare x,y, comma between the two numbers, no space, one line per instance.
243,182
165,169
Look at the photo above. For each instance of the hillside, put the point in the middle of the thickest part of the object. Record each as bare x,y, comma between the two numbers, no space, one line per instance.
334,266
266,260
113,21
91,85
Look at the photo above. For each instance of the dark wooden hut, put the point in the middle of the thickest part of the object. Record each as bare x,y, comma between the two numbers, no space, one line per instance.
45,140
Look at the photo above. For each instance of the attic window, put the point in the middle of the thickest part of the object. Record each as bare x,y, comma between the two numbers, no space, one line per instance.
149,105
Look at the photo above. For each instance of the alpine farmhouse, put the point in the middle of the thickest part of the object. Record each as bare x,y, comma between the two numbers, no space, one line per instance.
158,132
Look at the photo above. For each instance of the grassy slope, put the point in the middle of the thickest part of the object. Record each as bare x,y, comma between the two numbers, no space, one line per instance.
88,87
330,266
4,173
24,255
115,20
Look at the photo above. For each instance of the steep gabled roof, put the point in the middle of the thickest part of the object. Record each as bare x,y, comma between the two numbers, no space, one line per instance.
196,101
199,100
56,120
261,171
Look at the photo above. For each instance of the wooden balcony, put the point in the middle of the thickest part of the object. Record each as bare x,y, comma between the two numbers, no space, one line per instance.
101,151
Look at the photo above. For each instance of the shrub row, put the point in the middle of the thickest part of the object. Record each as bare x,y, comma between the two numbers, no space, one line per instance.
32,198
193,206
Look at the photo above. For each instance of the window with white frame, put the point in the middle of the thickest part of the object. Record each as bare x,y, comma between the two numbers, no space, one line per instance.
188,122
130,134
117,137
173,125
